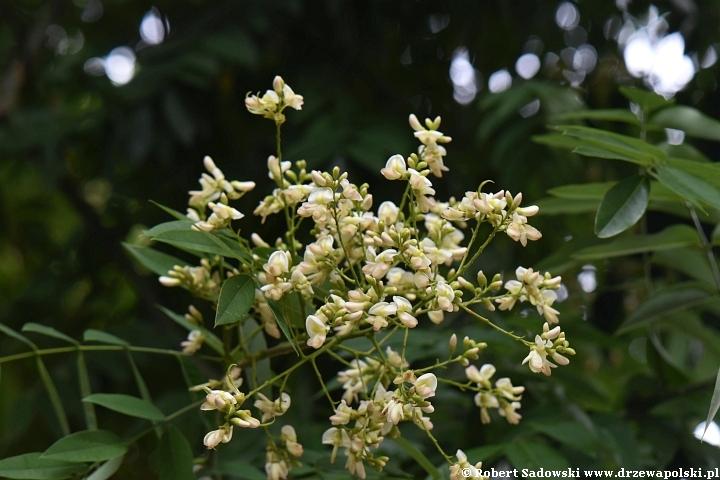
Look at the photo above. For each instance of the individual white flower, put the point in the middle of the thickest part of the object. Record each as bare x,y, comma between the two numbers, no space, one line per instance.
537,358
507,390
388,212
271,408
395,168
343,414
377,265
278,263
218,400
289,437
193,343
436,316
444,295
215,437
486,400
482,376
519,230
317,330
508,410
425,385
394,411
404,310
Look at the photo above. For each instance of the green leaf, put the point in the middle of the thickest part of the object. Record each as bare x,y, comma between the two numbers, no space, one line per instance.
675,236
157,262
126,404
534,456
85,391
664,302
236,299
690,120
714,404
48,332
418,456
235,46
87,446
622,206
211,340
173,213
560,206
281,311
690,261
647,101
12,333
174,456
585,191
613,145
710,172
694,189
241,469
571,434
92,335
54,397
201,242
174,226
32,466
107,469
142,387
609,115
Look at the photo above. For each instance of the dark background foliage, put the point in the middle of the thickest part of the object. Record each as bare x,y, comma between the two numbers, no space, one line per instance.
81,157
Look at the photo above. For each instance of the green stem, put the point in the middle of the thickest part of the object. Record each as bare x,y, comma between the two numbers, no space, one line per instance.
480,250
100,348
509,334
706,244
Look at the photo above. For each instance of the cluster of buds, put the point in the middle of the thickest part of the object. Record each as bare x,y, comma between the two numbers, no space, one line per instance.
551,342
274,101
505,397
430,152
279,459
201,281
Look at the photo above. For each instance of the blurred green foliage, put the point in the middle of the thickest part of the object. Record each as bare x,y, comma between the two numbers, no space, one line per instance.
81,157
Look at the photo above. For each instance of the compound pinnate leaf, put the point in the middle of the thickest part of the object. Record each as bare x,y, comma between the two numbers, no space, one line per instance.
174,456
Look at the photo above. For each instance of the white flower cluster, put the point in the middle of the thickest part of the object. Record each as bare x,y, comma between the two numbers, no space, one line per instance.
532,287
374,419
365,273
274,101
505,397
550,342
459,469
201,281
280,458
215,193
